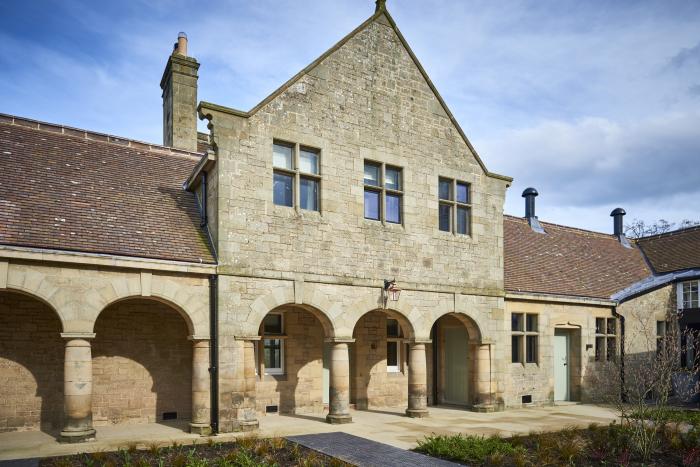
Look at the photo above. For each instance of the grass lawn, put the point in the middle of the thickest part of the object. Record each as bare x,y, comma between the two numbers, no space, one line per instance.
593,446
245,452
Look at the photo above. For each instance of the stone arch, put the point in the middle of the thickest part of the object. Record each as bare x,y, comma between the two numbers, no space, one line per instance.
473,324
317,304
407,319
192,307
36,285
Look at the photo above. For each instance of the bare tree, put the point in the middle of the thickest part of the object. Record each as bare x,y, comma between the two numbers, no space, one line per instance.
639,228
641,384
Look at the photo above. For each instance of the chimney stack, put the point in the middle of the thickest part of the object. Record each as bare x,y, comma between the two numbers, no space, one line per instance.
179,85
530,194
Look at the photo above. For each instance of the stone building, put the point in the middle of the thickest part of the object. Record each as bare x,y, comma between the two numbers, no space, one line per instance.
339,245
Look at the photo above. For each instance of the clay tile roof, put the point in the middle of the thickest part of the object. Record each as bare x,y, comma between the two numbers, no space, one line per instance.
567,261
672,251
68,189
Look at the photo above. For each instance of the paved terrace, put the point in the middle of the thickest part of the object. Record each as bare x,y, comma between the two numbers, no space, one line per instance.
387,426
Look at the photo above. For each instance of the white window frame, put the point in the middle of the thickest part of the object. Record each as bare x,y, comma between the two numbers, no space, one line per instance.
397,341
274,337
680,294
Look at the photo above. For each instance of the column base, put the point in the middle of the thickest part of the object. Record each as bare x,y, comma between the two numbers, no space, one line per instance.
417,413
338,419
484,408
77,436
203,429
248,425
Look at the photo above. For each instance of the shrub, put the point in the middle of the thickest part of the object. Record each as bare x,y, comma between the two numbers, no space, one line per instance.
466,448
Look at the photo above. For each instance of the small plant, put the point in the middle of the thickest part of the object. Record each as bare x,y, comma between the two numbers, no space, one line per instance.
131,447
466,448
154,449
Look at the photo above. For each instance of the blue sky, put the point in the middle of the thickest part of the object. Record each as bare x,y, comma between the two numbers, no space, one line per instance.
594,103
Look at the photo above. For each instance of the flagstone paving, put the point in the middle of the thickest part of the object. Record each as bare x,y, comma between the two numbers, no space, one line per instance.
387,426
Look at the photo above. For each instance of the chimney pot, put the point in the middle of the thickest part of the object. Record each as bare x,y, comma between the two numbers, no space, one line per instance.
181,46
617,214
530,194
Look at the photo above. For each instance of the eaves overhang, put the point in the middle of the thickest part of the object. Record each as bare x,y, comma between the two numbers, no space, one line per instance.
654,282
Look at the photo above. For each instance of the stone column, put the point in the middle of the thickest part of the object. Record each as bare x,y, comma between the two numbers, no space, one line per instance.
201,387
483,401
77,389
243,398
417,381
339,397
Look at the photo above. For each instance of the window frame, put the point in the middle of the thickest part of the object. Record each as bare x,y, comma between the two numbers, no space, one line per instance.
273,337
397,341
297,174
522,335
604,335
455,205
383,191
687,304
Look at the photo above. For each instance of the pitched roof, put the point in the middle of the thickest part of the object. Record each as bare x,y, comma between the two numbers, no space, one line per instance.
567,261
68,189
672,251
381,14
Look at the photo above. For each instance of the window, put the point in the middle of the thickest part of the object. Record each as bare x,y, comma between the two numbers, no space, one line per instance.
605,339
525,338
273,349
383,192
296,176
393,346
690,294
454,210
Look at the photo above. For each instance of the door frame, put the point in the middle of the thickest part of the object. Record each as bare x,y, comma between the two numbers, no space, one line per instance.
566,333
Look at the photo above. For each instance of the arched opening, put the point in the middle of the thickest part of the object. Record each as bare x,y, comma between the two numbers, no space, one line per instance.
31,362
453,361
142,364
379,360
292,361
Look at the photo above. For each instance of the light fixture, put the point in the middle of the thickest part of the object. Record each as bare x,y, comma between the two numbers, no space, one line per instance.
391,291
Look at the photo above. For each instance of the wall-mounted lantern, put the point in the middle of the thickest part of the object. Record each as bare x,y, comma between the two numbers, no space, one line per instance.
391,291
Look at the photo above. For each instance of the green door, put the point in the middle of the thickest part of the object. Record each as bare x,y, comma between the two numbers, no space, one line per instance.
456,374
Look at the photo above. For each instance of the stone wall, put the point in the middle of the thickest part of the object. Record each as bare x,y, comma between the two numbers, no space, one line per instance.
366,101
31,365
537,379
641,314
142,364
300,389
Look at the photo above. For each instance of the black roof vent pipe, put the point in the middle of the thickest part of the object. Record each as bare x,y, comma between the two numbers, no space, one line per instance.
530,194
618,229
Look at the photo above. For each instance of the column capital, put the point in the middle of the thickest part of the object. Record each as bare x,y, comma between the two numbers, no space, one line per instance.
418,340
78,335
339,340
487,342
194,338
247,338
